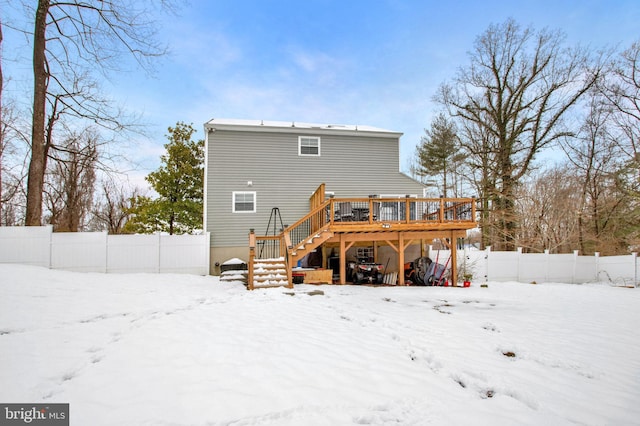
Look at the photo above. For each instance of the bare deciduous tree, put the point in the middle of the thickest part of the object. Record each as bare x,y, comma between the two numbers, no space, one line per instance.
70,187
71,39
592,158
621,89
518,87
547,208
622,92
479,147
12,171
115,209
3,127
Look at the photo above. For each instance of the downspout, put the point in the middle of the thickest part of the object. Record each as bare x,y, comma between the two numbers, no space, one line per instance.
205,178
205,209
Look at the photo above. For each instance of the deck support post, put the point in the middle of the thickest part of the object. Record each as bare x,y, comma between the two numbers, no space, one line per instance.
401,258
325,262
375,251
343,258
454,259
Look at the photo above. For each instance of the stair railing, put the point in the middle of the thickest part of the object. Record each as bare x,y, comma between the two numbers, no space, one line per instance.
308,225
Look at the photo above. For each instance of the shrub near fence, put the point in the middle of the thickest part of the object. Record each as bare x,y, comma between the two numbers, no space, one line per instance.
100,252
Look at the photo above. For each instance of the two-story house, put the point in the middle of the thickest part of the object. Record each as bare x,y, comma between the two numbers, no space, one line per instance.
254,166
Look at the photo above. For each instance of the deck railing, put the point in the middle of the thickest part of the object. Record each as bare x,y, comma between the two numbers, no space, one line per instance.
400,210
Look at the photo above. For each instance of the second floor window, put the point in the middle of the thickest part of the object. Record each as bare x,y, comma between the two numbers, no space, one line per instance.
309,146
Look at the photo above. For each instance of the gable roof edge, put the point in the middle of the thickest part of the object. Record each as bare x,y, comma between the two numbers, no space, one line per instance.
297,127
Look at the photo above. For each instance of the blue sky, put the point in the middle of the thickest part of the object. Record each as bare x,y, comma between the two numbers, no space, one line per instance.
372,62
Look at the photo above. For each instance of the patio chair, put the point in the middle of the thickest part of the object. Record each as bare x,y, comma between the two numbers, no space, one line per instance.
345,212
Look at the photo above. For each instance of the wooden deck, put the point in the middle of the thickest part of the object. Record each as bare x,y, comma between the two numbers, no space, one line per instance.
343,222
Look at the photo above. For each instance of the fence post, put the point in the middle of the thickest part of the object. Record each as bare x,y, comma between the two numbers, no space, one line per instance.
487,262
159,269
634,257
575,267
519,249
207,238
51,248
596,258
546,265
106,255
106,251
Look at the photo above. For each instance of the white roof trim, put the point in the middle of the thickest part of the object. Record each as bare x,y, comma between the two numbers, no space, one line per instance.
294,126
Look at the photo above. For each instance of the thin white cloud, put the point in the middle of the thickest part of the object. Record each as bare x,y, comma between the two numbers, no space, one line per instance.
198,48
312,62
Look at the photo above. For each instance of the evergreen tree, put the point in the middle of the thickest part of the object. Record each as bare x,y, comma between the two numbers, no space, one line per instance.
179,184
439,151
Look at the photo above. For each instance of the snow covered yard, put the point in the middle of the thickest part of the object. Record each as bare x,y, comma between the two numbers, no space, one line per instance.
146,349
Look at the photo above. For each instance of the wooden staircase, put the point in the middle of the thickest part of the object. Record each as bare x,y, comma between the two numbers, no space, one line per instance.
268,273
273,272
271,258
310,243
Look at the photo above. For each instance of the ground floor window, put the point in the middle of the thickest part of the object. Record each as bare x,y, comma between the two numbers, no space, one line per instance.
244,202
365,253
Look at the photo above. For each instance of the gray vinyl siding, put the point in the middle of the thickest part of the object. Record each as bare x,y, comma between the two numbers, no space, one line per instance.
350,166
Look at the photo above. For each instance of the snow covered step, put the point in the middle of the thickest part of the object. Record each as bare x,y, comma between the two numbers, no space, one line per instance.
228,276
262,265
270,283
280,275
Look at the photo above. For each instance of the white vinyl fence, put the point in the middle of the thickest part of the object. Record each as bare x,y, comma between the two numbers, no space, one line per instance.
488,265
100,252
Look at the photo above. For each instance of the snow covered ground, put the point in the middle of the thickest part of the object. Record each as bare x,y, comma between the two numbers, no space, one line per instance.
146,349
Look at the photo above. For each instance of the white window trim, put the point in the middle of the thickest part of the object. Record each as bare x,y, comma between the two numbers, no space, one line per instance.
233,201
300,154
361,251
